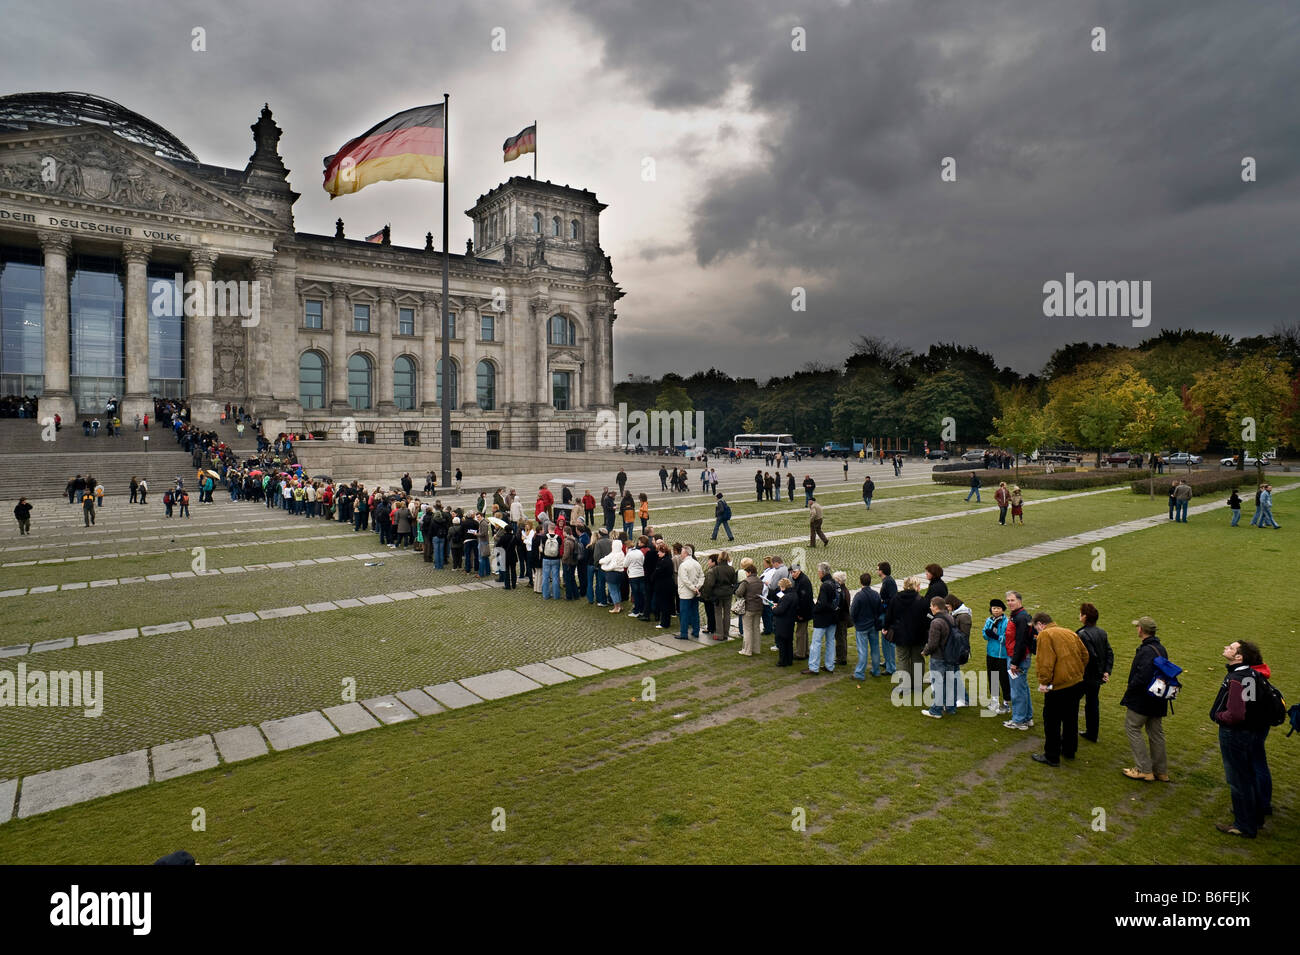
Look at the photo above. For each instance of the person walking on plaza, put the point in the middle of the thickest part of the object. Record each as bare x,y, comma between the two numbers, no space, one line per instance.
815,515
1002,497
974,487
846,468
1234,504
866,611
750,591
1101,660
663,478
722,518
789,487
144,490
1240,711
1020,651
1266,508
621,480
1062,660
1182,495
23,514
809,485
868,491
1146,711
88,506
589,508
135,489
1017,505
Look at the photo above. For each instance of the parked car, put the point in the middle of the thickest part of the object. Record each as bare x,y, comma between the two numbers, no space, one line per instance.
1251,462
1056,457
937,455
1182,457
1119,457
973,456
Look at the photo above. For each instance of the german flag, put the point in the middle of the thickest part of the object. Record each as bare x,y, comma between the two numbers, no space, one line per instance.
525,142
406,146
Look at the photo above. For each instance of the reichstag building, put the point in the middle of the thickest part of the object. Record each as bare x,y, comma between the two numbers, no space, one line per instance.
108,223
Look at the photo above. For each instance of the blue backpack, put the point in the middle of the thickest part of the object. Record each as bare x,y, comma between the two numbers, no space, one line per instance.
1165,685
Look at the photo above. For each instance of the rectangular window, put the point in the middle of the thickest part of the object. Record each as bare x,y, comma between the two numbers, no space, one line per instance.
494,440
575,440
406,321
487,328
361,318
451,325
455,439
313,316
560,388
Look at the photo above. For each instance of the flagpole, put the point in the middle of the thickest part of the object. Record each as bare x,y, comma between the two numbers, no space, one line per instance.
446,303
534,150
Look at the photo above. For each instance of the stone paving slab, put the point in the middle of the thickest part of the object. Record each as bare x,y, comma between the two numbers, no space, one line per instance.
242,618
348,602
18,593
180,759
388,709
232,570
420,702
14,651
546,675
298,730
88,639
57,788
322,607
176,627
607,658
130,580
427,592
244,742
452,695
668,640
573,667
204,622
76,586
8,791
648,649
48,589
111,582
154,578
401,595
377,599
502,683
183,574
278,612
351,718
60,644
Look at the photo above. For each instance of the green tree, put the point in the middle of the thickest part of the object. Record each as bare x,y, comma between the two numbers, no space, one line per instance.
1159,421
1022,426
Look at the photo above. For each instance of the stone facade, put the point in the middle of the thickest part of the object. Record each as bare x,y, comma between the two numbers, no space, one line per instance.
536,299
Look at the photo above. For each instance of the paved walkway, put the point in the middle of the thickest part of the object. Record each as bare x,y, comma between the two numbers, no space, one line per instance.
55,789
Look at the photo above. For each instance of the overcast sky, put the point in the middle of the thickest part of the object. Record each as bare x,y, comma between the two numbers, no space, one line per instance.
776,168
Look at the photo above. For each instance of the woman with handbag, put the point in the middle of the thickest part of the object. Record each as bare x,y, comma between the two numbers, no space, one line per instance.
749,606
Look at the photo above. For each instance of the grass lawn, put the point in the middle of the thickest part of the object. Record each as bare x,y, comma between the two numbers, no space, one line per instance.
714,768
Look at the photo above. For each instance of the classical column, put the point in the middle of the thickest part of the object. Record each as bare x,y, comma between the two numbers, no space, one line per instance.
607,360
55,398
257,338
469,360
339,318
137,399
198,337
430,352
542,384
384,403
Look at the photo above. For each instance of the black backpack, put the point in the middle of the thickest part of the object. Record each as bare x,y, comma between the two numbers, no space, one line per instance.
957,650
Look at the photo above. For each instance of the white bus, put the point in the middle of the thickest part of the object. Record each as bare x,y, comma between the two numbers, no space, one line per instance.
764,443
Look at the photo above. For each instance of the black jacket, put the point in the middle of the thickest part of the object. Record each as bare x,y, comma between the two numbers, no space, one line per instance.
824,609
803,591
937,588
665,581
1237,707
1140,675
783,616
1101,658
1021,645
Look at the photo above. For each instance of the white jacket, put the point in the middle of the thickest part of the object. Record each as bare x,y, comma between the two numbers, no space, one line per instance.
517,511
690,577
615,560
635,563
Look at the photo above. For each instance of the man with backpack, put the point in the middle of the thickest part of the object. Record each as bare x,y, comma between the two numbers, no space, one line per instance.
937,648
1246,707
825,612
1062,661
1020,650
552,551
1101,661
721,517
1146,710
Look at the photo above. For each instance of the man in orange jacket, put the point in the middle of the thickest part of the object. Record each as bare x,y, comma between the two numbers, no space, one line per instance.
1062,660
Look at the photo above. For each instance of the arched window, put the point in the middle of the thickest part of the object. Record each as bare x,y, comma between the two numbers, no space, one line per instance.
452,384
561,331
404,383
311,380
537,223
555,226
487,386
359,375
573,228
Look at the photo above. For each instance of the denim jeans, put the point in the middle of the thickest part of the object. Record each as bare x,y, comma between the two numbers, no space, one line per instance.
1022,706
602,592
551,578
867,501
439,552
766,617
637,586
570,582
1236,516
942,678
484,563
976,492
614,583
822,636
726,526
1266,518
591,583
689,614
1238,750
1180,511
869,641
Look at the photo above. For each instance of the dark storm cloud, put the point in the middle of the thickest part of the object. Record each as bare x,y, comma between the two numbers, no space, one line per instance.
1116,165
